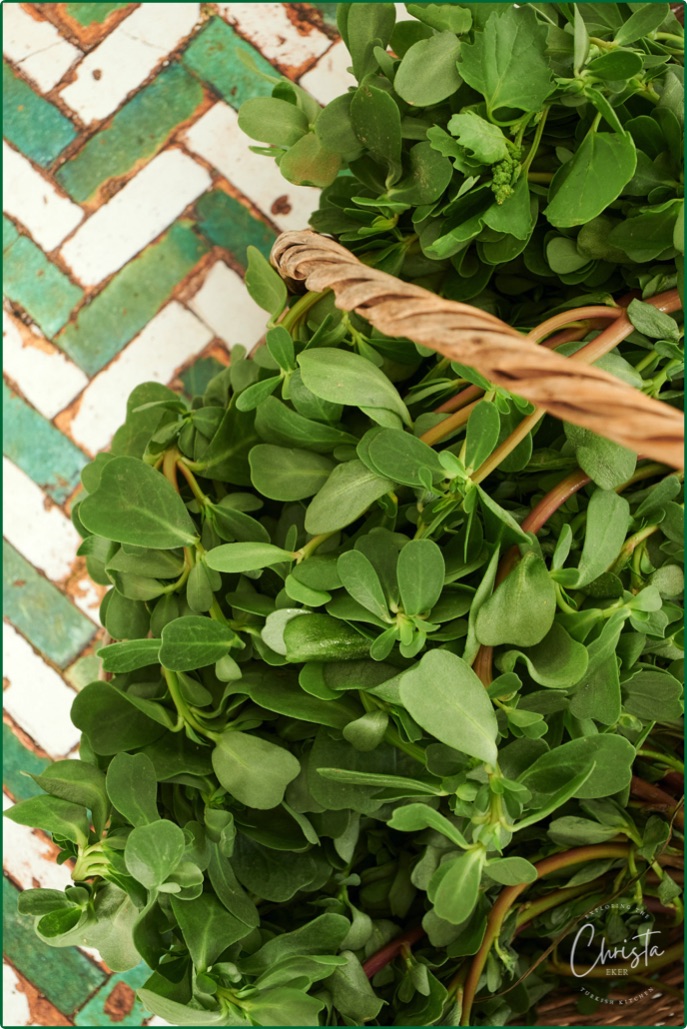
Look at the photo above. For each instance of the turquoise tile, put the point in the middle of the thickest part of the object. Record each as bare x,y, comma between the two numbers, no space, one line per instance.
116,1001
92,14
131,298
44,615
87,669
63,975
32,281
214,56
39,449
229,224
32,124
328,12
9,233
17,761
138,130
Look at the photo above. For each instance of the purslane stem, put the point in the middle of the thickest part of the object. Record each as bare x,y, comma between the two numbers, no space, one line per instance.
507,898
448,425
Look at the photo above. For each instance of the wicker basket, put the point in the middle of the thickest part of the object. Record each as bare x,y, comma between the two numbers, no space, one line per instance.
662,1005
569,388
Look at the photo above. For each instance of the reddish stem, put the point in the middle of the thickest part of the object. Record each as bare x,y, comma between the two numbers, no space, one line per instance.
675,781
391,950
658,800
465,396
534,521
555,498
507,898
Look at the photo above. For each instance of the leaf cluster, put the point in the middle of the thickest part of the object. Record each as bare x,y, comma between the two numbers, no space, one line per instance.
515,157
292,758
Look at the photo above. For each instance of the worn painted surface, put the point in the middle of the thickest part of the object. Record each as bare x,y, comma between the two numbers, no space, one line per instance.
130,197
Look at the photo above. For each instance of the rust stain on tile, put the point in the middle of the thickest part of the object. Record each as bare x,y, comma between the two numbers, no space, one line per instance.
282,205
63,420
120,1002
189,286
30,338
84,36
305,18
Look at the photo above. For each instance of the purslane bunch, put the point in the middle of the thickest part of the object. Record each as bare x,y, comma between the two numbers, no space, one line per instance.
394,697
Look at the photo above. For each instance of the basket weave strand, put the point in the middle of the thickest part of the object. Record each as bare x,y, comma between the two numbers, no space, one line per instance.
569,389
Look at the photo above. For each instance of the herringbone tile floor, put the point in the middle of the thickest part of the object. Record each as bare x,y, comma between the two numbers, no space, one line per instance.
130,196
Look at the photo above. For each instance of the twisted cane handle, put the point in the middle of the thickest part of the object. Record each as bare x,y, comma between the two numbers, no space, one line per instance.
566,388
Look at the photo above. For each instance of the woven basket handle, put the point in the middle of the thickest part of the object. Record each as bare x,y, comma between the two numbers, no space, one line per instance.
568,389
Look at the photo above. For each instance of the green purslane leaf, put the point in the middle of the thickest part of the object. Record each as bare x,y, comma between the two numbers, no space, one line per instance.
376,122
132,788
420,572
153,851
246,557
346,495
272,121
446,698
54,815
521,610
428,72
346,378
507,62
484,141
135,504
284,473
255,771
591,180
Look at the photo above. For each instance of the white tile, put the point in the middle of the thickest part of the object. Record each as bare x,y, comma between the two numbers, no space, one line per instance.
135,216
46,376
39,530
37,698
330,76
223,302
217,137
87,597
127,56
168,341
15,1006
36,46
34,201
402,13
30,855
286,42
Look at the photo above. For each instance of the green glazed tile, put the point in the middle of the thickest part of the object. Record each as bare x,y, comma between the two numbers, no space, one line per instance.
39,449
229,224
196,377
85,670
92,14
31,280
32,124
17,759
131,299
43,614
9,234
328,12
63,975
137,132
122,985
214,57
